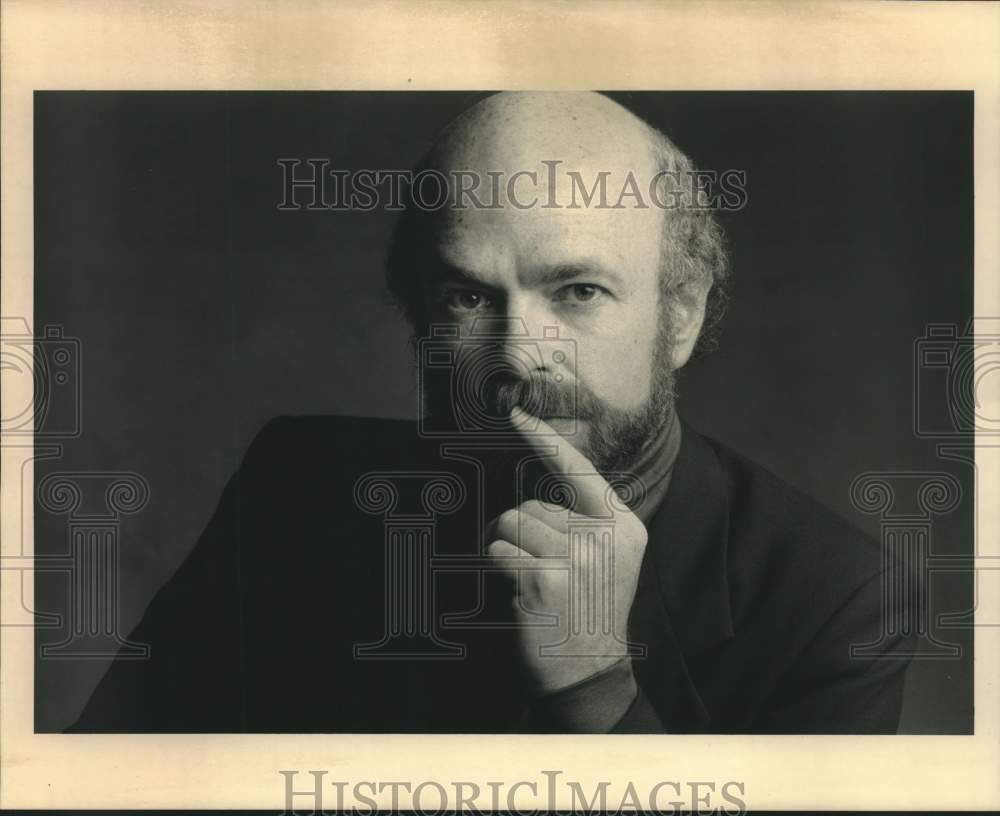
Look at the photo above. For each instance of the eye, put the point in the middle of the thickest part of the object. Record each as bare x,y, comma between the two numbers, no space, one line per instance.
580,293
466,300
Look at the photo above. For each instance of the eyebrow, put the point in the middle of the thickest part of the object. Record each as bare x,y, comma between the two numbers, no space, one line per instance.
442,272
564,272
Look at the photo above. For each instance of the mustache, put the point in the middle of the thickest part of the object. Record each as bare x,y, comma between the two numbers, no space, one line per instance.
540,396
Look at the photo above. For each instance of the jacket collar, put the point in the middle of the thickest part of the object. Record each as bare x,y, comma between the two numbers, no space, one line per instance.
681,606
687,546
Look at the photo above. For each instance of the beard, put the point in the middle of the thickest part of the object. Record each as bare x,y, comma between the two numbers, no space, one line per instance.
615,437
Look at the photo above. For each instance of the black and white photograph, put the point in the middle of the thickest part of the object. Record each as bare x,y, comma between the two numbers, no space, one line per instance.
424,411
562,412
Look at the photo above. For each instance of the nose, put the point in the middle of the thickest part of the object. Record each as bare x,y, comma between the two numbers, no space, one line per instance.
527,322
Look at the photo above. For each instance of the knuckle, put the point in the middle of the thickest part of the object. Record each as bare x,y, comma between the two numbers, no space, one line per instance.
537,506
532,505
507,522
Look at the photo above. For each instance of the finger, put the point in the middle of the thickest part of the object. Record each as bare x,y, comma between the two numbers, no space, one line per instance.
588,486
554,515
531,535
509,558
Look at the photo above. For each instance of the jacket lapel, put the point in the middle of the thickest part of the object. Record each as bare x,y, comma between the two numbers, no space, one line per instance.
682,601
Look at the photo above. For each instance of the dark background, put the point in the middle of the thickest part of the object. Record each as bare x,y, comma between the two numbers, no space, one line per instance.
202,310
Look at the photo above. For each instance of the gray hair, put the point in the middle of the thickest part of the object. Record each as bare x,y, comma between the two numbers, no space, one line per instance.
694,261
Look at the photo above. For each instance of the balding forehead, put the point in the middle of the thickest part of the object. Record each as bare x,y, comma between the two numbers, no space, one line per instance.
515,130
548,151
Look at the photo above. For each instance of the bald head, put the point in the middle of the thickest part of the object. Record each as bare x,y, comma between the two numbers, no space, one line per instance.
516,130
577,163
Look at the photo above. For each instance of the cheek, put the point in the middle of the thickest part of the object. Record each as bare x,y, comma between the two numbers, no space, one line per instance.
617,365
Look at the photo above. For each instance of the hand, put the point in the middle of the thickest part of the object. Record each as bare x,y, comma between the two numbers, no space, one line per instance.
587,581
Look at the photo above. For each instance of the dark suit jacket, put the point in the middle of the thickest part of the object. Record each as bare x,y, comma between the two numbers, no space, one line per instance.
750,596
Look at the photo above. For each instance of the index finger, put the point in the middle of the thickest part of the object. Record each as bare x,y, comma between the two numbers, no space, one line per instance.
588,486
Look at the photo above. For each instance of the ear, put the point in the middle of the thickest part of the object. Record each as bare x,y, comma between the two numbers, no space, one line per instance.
687,315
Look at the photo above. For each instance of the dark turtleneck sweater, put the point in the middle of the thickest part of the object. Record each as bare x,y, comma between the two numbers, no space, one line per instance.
597,703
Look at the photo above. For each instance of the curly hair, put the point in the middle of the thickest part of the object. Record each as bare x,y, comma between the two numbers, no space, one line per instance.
694,261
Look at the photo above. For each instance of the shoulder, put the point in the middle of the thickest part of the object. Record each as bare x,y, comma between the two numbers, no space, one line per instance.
331,444
788,553
318,431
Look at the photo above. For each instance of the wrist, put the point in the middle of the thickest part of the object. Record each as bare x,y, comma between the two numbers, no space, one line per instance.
593,704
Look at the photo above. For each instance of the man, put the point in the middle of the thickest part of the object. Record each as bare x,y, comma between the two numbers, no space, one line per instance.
574,557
